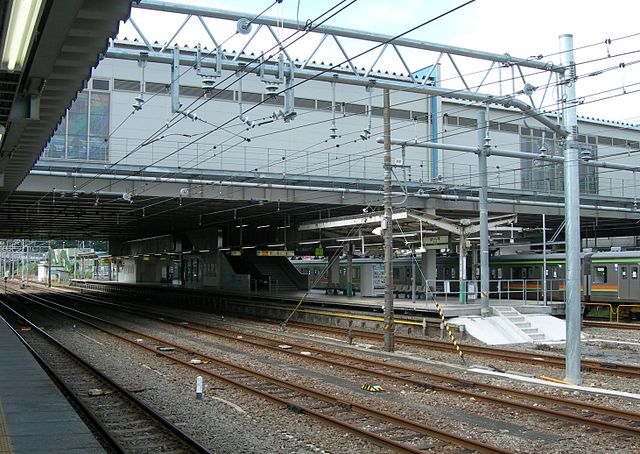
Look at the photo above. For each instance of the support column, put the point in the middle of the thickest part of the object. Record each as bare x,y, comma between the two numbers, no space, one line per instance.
334,270
349,284
429,270
49,273
462,266
387,227
572,213
484,145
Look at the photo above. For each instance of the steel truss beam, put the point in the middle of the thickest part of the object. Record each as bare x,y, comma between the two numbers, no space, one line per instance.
126,50
351,74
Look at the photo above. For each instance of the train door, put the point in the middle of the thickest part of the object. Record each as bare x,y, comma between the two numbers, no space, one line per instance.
623,281
634,284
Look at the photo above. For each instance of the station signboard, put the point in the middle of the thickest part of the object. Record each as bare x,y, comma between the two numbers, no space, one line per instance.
276,253
436,242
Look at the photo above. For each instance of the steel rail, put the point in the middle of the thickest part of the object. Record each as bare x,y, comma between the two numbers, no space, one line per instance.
342,360
173,430
384,416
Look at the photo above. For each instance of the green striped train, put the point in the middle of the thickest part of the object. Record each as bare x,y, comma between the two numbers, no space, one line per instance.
607,277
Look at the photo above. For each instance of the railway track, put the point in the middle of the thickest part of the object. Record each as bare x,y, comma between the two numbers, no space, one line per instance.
612,325
542,359
124,423
385,429
610,419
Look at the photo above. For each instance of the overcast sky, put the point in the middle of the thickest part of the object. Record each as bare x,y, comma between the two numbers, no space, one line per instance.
518,27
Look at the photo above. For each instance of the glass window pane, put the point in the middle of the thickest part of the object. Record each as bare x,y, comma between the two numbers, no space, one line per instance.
99,126
77,146
56,147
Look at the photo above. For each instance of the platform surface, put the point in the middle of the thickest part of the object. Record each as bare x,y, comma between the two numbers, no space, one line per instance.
35,417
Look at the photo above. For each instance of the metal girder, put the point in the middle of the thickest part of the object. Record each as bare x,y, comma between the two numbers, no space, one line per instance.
504,59
304,33
462,227
127,50
348,221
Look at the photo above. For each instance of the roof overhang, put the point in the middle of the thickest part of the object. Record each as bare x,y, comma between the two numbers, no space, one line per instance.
67,43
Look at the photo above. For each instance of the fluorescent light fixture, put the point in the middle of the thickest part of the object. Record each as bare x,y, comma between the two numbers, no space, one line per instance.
224,249
263,226
333,247
204,251
355,238
305,243
247,247
22,22
186,253
241,226
284,226
275,245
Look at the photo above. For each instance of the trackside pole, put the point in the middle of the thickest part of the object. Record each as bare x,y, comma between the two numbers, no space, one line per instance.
572,212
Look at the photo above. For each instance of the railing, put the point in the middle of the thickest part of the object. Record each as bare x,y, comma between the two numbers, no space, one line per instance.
526,291
609,308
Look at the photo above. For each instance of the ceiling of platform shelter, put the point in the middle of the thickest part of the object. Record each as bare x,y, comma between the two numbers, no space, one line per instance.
47,50
68,37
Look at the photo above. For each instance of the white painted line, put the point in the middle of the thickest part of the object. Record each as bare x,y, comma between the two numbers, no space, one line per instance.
231,404
587,389
154,370
91,339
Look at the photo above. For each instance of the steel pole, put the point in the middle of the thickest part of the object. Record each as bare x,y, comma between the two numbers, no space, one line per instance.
544,258
387,225
483,196
572,212
49,277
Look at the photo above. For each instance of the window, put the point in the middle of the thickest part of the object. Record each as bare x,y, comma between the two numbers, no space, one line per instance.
84,132
634,272
623,272
600,275
549,177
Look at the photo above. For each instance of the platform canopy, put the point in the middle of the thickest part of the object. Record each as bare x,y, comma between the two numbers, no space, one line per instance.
47,51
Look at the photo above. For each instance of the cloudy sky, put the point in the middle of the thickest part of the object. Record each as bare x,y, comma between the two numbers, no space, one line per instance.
518,27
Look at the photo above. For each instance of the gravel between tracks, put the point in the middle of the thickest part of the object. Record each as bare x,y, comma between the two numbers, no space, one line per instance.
229,420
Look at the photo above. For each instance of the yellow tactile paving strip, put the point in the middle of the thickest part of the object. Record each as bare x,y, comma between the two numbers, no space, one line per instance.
5,440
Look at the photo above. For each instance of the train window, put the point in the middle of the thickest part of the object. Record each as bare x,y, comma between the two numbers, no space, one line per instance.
499,273
634,272
453,273
623,272
519,273
600,276
493,273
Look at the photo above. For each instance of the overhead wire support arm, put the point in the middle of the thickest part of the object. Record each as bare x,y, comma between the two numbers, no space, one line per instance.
161,5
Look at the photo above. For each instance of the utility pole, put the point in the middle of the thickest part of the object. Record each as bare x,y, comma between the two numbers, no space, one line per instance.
484,144
49,274
387,227
573,304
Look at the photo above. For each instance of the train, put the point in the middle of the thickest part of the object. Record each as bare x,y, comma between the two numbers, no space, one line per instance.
608,278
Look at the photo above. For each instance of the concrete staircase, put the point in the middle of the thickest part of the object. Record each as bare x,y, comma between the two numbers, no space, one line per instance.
520,323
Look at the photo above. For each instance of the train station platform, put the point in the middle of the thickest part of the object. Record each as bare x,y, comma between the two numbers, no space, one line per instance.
34,415
426,306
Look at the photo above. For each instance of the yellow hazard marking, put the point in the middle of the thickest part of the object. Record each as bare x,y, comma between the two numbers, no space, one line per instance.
451,336
554,380
5,439
372,388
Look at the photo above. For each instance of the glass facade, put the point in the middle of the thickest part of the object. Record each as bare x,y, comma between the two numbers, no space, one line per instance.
548,176
83,133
